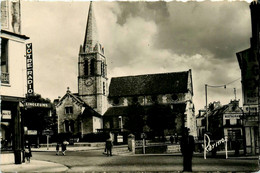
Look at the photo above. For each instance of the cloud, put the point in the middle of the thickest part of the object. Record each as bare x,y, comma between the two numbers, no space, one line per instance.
141,38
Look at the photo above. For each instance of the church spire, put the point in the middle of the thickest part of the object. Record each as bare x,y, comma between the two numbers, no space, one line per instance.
91,35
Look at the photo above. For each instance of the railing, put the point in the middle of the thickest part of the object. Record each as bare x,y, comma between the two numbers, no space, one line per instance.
4,77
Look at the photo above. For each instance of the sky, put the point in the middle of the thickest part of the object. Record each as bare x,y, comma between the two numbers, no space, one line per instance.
141,38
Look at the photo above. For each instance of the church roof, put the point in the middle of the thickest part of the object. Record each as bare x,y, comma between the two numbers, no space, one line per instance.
150,84
123,110
91,34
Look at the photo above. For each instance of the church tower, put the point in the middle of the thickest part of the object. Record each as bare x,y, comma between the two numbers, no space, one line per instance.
92,68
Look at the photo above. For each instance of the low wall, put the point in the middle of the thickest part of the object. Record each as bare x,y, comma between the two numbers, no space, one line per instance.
152,149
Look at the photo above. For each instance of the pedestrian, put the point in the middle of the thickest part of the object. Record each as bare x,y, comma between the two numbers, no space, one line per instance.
187,148
57,148
109,145
171,139
64,147
27,151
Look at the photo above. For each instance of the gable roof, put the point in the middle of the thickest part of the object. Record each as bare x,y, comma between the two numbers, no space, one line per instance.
150,84
89,111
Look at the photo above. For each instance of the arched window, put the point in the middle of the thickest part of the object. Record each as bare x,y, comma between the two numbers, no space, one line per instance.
92,67
104,88
86,67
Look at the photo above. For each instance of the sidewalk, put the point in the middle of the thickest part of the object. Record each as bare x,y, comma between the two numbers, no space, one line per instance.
34,166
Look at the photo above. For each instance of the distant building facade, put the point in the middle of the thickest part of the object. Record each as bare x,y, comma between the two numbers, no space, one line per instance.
249,64
224,121
13,81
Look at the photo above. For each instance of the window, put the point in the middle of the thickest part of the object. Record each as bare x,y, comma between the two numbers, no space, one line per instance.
104,88
86,67
228,122
68,110
92,67
239,122
116,100
101,69
72,125
66,126
4,61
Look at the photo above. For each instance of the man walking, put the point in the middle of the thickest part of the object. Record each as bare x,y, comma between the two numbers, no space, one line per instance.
109,145
187,148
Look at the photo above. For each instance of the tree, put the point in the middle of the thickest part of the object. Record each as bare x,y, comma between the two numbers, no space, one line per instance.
36,118
135,118
160,118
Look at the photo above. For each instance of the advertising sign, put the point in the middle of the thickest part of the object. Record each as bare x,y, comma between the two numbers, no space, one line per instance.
6,114
39,105
29,67
31,132
232,116
250,76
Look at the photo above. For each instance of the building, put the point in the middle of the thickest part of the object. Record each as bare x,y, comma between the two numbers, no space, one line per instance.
224,121
107,105
13,81
249,64
91,99
169,89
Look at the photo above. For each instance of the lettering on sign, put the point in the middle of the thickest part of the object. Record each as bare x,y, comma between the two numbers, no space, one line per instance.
6,114
232,116
41,105
29,67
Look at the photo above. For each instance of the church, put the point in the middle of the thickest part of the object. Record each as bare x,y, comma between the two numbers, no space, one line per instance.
99,106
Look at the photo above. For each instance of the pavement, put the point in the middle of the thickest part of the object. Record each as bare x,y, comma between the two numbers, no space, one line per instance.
45,166
34,166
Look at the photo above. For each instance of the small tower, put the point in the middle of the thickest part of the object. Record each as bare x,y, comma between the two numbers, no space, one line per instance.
92,68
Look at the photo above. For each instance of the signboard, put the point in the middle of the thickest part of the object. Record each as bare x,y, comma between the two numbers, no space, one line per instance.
251,109
119,139
31,132
47,132
232,116
39,105
6,114
250,76
29,67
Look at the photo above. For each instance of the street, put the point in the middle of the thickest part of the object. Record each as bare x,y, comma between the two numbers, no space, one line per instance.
94,160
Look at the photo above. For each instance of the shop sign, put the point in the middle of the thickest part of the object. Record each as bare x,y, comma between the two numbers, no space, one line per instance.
39,105
251,109
6,114
119,139
47,132
29,66
232,116
31,132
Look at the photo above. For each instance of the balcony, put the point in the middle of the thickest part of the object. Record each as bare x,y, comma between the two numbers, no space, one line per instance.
5,78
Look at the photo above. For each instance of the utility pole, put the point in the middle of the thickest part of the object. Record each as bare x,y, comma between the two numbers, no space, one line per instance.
206,108
235,93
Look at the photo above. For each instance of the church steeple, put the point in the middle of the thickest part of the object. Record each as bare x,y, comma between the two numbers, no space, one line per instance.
91,34
92,74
